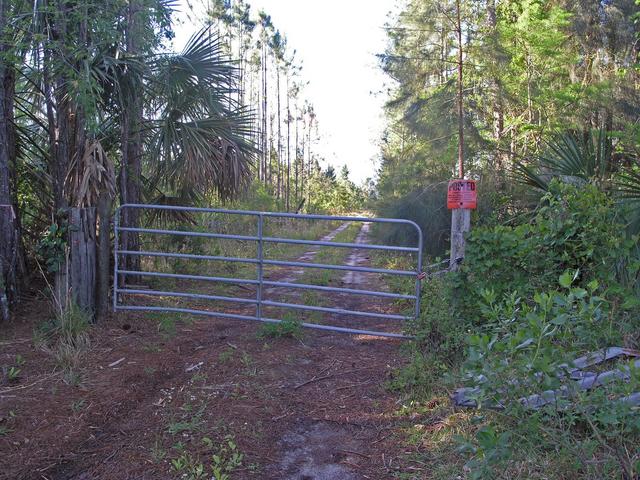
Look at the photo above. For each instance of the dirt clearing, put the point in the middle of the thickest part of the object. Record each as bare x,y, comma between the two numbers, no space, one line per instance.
207,400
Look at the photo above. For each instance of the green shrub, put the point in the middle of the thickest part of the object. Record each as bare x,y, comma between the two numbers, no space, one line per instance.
573,229
527,349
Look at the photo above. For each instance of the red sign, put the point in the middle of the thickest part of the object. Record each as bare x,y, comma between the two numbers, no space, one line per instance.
462,194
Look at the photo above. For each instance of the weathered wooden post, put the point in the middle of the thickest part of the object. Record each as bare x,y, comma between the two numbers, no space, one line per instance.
82,236
104,253
461,198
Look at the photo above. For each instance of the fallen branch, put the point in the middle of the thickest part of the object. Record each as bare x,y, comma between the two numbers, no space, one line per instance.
113,364
312,380
21,387
355,453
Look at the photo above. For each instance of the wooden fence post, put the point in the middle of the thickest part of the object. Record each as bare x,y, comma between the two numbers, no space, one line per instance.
460,226
82,237
104,253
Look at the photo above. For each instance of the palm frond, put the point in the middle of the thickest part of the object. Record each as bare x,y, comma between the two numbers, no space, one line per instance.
201,140
628,185
571,157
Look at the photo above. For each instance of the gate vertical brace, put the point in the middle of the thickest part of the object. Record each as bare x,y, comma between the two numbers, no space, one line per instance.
260,264
116,247
418,280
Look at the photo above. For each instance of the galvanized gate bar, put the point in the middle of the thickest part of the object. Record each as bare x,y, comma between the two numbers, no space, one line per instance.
308,286
260,261
338,244
188,234
284,263
202,296
316,326
342,311
268,239
351,268
189,277
192,256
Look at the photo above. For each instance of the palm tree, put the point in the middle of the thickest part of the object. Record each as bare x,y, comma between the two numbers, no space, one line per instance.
90,100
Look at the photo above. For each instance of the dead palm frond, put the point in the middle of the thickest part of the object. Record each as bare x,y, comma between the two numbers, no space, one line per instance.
90,175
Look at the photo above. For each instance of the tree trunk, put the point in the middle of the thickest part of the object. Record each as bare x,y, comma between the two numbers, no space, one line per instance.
279,144
131,149
9,240
288,185
265,152
460,100
460,218
460,226
82,239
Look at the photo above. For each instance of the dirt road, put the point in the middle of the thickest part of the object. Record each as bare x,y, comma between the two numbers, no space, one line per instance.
213,396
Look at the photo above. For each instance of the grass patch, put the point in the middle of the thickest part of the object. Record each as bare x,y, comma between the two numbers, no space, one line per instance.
289,327
66,339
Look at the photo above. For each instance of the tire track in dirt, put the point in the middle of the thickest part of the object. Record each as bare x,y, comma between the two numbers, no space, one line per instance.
325,449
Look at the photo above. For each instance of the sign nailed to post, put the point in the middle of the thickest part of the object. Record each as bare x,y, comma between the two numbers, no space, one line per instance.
462,194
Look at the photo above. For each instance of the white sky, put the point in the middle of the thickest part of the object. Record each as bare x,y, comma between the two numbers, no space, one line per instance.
337,41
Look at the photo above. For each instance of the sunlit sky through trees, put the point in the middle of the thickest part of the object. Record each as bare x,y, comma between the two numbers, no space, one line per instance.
337,41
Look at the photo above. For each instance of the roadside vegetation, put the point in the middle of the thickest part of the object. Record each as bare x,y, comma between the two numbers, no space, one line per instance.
552,264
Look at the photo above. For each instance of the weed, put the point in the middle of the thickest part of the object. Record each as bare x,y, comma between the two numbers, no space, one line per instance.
187,425
68,353
167,323
311,298
78,405
149,370
322,278
158,453
151,348
19,361
188,467
249,364
73,321
289,327
199,377
225,355
226,459
5,430
66,338
11,373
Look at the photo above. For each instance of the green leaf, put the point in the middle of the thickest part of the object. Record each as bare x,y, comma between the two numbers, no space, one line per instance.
566,279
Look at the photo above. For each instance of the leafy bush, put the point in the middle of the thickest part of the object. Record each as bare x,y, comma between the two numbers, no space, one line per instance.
527,300
526,349
573,229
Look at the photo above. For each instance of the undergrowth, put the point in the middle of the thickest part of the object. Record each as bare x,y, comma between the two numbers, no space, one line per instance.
66,338
289,327
528,299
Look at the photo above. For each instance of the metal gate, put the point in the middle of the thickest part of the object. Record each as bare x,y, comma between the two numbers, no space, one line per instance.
122,291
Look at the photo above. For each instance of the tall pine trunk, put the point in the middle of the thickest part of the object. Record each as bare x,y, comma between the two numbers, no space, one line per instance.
296,150
279,143
265,151
9,238
131,149
288,184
